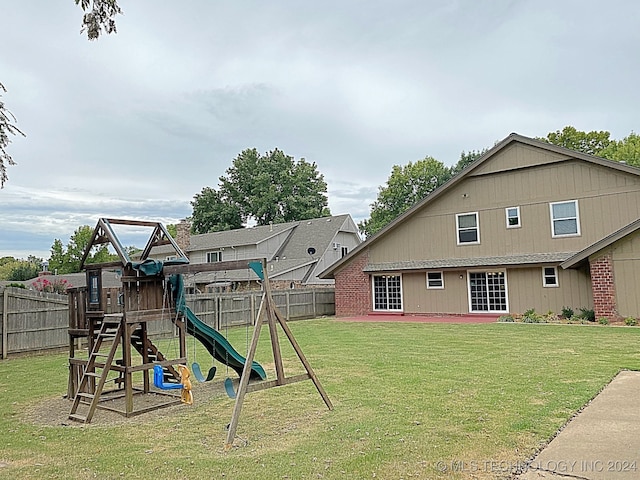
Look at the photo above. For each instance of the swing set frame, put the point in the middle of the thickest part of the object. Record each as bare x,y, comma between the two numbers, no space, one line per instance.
267,313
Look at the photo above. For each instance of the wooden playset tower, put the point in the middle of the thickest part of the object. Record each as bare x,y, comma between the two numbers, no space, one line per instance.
118,343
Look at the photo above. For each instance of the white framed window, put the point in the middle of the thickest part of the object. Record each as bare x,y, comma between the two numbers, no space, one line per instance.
565,219
387,292
488,291
512,215
213,257
550,277
467,229
435,280
171,257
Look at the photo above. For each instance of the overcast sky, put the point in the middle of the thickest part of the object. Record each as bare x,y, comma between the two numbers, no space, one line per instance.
133,125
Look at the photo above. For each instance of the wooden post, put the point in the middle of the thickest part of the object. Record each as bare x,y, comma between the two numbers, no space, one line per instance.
288,305
244,380
315,310
126,357
273,330
252,308
5,322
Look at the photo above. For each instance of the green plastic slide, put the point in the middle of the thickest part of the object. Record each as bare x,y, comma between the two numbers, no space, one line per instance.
215,343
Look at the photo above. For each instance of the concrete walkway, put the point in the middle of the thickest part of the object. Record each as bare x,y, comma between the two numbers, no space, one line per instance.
600,443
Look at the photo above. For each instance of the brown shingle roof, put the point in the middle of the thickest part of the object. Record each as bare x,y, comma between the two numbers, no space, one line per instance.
527,259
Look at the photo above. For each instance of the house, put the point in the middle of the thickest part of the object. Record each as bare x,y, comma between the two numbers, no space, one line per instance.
527,225
296,252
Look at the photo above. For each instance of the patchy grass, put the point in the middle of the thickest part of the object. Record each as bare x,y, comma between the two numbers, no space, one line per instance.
411,401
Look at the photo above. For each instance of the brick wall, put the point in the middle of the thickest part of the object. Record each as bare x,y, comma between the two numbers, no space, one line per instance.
353,288
603,287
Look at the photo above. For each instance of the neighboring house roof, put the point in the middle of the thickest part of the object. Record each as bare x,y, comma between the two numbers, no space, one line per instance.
280,267
316,232
290,253
532,258
513,138
582,256
238,237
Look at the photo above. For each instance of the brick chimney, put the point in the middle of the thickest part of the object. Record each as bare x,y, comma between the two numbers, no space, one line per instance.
183,235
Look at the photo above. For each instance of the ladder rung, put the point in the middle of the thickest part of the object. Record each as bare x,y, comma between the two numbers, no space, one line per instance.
77,417
85,395
100,355
92,374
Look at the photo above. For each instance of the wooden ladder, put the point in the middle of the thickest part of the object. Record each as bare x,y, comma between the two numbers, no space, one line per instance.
111,329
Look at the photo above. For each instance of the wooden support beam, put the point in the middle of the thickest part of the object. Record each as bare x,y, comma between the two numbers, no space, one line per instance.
153,315
210,267
244,379
256,386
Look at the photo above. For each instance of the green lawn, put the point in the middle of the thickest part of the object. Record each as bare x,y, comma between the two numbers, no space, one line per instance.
410,400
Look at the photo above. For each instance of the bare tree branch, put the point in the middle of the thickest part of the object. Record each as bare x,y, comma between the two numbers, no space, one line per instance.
7,127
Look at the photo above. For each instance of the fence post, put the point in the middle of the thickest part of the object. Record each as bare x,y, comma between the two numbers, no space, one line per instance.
218,314
315,310
5,322
288,306
252,309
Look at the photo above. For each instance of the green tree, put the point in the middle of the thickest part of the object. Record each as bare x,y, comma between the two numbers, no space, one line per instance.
214,213
6,266
269,188
25,270
7,128
59,258
172,229
18,269
626,150
586,142
67,260
466,159
99,17
405,187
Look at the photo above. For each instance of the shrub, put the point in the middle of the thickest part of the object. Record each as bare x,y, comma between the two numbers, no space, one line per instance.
506,319
603,321
60,286
587,314
530,316
567,312
630,322
17,285
551,318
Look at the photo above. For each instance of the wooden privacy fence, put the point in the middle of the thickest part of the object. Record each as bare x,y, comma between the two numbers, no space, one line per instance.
32,321
221,310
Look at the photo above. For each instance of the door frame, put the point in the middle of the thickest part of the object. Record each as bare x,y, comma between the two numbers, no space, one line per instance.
485,271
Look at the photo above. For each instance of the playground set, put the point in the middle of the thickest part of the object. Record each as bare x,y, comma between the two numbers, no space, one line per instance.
119,346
